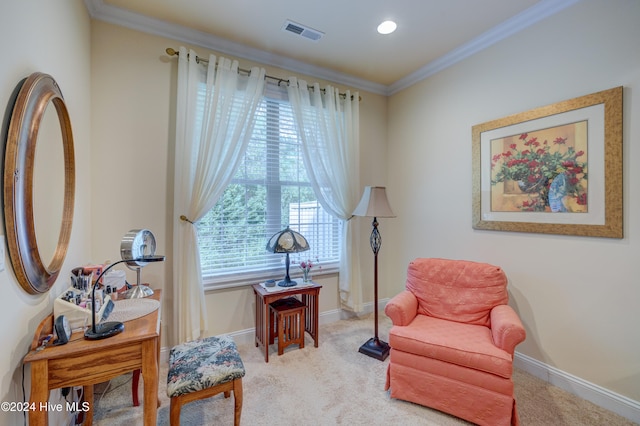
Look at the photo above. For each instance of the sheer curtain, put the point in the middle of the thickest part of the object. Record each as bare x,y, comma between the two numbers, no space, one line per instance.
215,111
329,128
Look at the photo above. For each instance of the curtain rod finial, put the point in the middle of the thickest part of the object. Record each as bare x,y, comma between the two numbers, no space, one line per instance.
170,51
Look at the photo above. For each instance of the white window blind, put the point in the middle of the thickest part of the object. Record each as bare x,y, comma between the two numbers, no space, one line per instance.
270,191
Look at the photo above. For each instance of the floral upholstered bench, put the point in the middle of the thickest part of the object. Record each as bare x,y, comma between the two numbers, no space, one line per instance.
202,368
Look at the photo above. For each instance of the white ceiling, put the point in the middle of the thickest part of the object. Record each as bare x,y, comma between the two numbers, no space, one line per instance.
431,34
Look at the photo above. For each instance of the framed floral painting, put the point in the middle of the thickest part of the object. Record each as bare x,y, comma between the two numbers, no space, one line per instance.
556,169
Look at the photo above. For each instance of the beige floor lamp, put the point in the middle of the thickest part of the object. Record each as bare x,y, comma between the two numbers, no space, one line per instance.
374,204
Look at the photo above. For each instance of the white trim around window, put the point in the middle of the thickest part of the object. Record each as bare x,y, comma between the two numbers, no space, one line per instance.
246,279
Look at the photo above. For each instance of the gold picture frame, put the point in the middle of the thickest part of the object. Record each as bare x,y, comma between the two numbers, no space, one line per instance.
556,169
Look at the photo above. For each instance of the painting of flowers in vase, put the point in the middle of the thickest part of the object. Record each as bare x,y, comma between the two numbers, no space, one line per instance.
541,171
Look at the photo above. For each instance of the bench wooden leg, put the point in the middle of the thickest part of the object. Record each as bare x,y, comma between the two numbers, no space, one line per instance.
237,396
178,401
174,411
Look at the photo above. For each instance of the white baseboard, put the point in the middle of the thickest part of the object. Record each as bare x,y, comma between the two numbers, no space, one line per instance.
621,405
248,335
598,395
326,317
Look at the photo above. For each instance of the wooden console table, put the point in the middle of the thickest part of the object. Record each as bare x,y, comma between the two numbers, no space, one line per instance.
309,295
87,362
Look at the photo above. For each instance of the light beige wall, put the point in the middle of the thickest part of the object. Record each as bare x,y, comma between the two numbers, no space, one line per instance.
51,37
577,296
133,109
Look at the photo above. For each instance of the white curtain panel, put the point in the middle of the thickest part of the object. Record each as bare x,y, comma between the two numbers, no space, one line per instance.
215,111
329,128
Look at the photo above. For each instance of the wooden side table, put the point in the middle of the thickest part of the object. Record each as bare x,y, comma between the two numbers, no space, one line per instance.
87,362
309,296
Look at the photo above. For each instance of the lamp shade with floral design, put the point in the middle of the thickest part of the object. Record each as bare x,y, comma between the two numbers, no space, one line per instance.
287,241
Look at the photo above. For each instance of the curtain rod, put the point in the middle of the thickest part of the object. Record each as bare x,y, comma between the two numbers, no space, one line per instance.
172,52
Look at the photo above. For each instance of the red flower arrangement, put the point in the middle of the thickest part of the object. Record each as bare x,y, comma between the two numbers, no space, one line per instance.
534,167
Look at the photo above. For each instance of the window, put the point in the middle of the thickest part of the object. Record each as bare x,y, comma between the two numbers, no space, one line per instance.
269,191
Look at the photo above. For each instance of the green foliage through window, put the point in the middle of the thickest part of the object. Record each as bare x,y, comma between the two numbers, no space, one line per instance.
270,191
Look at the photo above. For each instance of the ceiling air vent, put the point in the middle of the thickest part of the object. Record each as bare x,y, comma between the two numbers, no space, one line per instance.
302,30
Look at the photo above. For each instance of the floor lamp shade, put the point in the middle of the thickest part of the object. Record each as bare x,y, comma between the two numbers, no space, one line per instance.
374,204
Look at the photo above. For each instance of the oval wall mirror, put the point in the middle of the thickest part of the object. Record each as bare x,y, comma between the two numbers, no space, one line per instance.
36,268
48,184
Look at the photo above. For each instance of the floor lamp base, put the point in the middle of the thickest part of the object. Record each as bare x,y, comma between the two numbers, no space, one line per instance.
375,348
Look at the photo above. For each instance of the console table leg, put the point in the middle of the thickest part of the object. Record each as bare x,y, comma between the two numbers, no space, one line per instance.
87,394
39,393
150,378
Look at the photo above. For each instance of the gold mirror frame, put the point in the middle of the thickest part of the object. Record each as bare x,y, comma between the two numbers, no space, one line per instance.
33,98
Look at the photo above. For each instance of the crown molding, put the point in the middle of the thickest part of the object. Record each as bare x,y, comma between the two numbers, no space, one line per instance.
103,12
526,18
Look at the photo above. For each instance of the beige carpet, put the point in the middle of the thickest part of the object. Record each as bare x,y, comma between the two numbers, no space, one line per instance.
336,385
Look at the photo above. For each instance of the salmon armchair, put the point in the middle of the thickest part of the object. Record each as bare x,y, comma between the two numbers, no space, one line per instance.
453,339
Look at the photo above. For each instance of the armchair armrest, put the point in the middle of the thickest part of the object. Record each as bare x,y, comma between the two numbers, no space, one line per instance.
402,308
506,328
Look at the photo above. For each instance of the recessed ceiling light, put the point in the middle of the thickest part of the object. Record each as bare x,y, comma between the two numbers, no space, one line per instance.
387,27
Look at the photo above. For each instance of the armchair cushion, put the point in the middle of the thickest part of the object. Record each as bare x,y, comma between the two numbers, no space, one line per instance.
467,345
459,290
